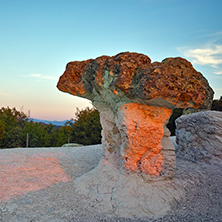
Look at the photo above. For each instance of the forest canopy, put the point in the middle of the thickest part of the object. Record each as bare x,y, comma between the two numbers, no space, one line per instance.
15,125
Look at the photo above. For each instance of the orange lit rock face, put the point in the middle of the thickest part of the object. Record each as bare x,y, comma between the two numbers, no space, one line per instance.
142,149
135,98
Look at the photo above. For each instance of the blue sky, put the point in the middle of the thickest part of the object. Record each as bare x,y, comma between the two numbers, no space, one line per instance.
38,39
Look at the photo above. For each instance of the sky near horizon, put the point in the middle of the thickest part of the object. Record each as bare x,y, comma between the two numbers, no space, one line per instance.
38,39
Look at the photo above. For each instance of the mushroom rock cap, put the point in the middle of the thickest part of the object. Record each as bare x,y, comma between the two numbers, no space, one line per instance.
131,77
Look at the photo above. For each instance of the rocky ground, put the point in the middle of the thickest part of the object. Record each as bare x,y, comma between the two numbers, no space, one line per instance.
36,184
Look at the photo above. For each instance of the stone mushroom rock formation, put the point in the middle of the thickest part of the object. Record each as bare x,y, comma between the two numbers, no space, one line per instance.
135,99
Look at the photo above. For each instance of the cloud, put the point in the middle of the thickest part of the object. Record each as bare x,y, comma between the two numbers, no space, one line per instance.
218,73
211,55
40,76
36,75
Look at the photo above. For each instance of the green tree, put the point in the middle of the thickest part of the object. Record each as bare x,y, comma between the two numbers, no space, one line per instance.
171,125
35,132
12,123
217,104
64,134
40,135
87,128
2,129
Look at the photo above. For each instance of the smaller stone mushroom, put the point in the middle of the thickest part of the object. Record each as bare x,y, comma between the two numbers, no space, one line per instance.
135,99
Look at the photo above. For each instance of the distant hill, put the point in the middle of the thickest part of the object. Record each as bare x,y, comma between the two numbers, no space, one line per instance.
56,123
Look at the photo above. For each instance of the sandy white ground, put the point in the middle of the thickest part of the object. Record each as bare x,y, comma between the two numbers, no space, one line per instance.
37,184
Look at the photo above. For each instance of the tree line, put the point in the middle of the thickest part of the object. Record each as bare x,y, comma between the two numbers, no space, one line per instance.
15,125
216,106
85,129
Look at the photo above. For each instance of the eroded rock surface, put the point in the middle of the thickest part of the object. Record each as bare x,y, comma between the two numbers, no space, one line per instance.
199,137
135,98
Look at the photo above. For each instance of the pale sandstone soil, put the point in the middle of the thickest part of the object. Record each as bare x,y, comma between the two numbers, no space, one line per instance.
59,202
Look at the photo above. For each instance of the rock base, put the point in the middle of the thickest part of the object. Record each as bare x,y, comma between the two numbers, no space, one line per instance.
110,191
